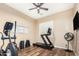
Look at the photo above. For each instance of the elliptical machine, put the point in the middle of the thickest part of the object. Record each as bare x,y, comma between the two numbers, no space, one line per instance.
11,49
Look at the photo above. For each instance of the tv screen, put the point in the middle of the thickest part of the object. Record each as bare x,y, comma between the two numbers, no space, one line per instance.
76,21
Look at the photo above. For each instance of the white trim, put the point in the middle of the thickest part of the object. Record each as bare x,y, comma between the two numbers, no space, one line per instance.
62,47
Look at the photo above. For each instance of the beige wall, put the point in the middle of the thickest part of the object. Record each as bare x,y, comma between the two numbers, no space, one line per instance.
63,22
8,14
75,42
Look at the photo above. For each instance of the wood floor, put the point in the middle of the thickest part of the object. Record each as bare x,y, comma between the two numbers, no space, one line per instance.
37,51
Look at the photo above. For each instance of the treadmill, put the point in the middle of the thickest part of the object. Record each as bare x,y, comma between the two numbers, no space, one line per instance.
45,45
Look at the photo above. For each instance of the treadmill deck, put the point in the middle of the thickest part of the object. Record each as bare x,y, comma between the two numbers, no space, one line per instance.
42,45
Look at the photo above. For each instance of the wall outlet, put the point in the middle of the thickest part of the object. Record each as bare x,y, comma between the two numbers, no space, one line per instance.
66,46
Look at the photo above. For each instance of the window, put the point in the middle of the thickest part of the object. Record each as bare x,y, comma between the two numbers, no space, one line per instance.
43,27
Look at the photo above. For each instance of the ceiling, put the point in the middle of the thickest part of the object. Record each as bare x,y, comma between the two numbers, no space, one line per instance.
52,8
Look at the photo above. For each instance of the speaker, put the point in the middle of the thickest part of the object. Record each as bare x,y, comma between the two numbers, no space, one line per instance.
76,21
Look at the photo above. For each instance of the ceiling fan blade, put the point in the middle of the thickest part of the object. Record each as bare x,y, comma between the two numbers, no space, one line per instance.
32,8
41,4
44,8
38,4
35,4
38,11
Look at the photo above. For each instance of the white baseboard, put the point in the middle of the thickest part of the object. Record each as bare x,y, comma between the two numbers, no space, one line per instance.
62,47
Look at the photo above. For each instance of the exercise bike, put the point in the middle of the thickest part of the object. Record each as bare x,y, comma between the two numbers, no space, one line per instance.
11,49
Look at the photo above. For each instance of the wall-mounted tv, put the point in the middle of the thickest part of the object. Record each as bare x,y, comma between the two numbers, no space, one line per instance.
76,21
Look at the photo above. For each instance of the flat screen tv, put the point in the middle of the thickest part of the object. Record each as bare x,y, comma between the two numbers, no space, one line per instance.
76,21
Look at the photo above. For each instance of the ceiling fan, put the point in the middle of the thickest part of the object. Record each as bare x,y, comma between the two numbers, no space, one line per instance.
38,6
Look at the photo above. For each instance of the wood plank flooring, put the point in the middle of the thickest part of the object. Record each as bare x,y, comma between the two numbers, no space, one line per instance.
37,51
